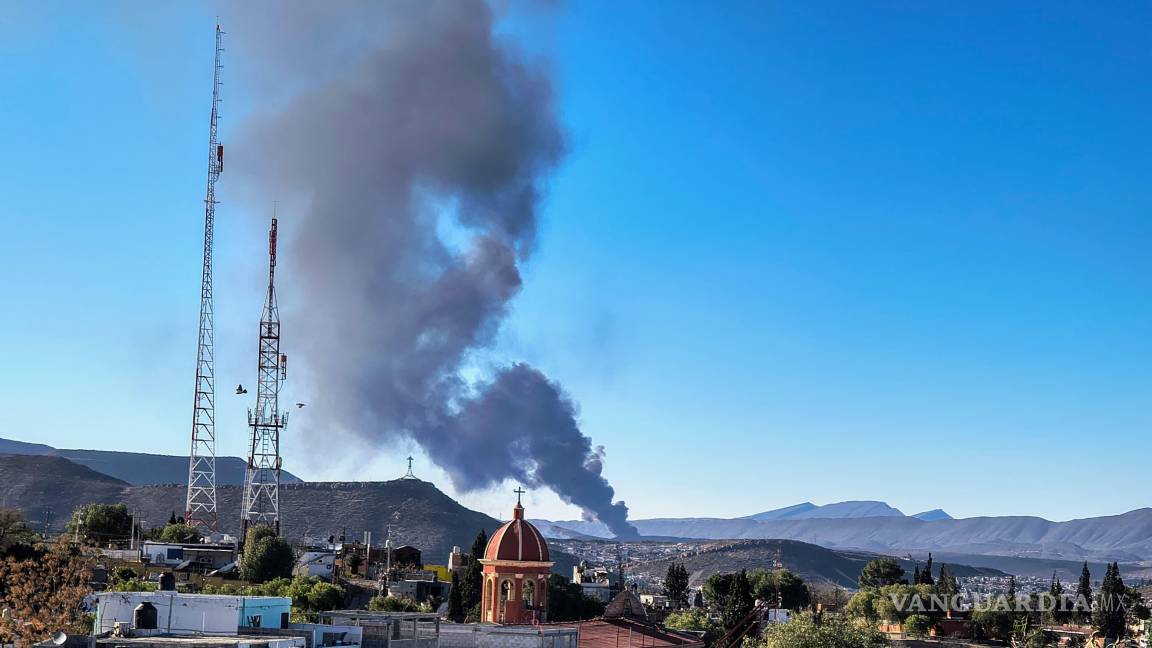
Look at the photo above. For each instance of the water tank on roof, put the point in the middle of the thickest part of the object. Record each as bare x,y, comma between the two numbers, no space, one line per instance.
144,616
167,582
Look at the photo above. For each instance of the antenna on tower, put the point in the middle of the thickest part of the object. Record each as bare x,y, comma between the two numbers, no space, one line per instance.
261,503
200,508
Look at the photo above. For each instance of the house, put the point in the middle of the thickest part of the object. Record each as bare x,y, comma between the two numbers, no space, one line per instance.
654,601
168,619
187,557
596,582
174,613
319,563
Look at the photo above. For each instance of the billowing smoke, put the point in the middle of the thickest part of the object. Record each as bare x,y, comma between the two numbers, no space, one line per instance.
417,154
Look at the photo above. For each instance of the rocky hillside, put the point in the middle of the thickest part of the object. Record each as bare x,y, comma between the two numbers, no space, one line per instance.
37,483
418,513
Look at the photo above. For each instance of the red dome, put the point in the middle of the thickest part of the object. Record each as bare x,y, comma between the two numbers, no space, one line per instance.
517,540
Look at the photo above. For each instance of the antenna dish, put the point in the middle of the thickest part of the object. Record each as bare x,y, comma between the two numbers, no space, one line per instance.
60,638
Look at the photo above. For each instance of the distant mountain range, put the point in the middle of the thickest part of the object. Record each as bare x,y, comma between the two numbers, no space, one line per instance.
809,511
878,527
139,469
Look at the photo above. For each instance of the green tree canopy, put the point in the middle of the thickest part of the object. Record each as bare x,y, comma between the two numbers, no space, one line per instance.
473,573
455,600
694,620
568,602
1084,595
881,572
394,604
780,587
676,585
180,534
13,529
1108,614
730,596
101,523
266,556
826,631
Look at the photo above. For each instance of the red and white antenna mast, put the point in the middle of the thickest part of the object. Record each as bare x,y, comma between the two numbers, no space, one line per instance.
261,503
200,510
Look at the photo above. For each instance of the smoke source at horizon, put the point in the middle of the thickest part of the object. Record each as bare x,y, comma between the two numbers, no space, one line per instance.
392,123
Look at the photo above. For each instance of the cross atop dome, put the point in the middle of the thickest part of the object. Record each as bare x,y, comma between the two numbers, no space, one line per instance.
518,510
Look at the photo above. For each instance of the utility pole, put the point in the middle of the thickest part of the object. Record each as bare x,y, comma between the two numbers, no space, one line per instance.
47,521
200,508
261,503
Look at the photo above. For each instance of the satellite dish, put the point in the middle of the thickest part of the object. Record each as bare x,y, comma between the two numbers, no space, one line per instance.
60,638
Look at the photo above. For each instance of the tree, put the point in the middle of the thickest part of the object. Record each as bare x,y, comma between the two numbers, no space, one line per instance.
947,585
308,593
812,631
323,596
730,595
180,534
266,556
926,575
43,593
1056,594
1108,615
993,623
473,581
13,529
676,585
354,562
1084,595
781,588
101,523
863,606
455,600
393,604
568,602
880,572
917,625
694,620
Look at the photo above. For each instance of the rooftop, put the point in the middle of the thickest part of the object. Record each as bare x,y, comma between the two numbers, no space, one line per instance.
203,641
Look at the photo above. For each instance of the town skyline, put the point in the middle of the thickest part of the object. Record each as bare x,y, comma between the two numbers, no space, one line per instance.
850,280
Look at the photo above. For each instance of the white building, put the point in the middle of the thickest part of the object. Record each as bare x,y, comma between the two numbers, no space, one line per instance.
316,563
204,557
192,614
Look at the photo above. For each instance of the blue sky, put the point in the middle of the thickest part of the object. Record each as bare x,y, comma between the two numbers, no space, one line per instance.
799,251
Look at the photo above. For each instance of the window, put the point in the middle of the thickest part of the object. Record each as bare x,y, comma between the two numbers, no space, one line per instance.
529,594
505,591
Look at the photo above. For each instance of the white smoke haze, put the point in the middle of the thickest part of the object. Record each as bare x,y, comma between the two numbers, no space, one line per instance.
376,115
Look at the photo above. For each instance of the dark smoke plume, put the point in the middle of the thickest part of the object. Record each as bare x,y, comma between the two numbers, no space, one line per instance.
400,122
